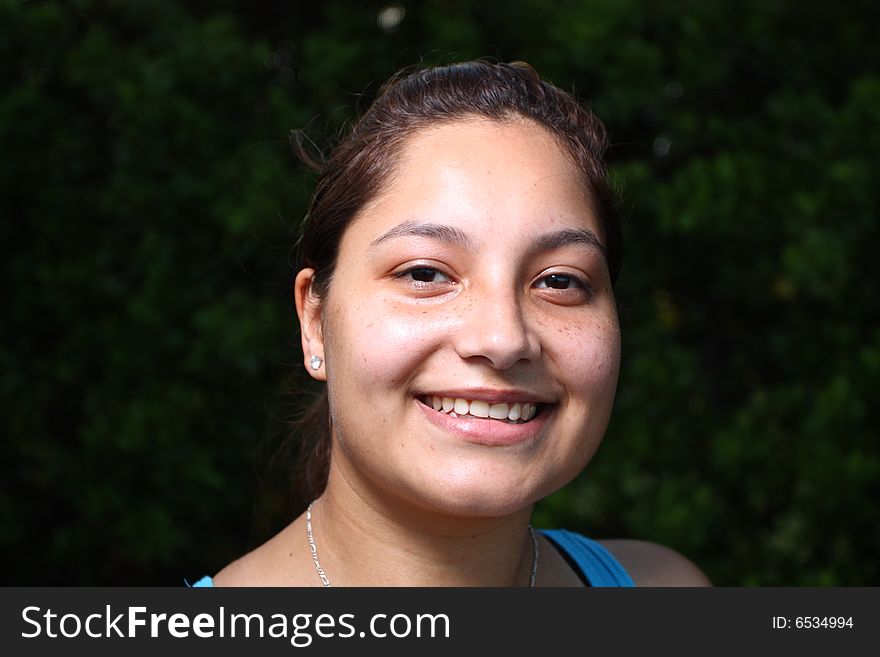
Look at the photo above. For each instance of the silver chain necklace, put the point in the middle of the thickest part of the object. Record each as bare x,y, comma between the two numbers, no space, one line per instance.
326,582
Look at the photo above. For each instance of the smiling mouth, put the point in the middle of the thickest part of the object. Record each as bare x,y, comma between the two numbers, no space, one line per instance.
515,413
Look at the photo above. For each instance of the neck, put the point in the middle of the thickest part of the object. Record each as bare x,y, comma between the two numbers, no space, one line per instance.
371,540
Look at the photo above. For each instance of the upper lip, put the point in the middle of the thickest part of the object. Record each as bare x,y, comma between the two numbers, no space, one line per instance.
491,395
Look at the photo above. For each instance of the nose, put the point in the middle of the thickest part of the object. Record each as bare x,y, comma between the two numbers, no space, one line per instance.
495,328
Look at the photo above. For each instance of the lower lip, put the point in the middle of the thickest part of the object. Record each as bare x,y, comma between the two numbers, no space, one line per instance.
486,432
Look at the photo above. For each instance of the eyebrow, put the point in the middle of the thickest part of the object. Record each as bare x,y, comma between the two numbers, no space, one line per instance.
457,237
437,232
566,236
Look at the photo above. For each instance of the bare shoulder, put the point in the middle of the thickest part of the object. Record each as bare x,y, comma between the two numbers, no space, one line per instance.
244,571
271,564
650,564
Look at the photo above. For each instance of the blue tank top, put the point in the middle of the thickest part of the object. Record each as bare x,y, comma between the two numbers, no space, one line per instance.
597,565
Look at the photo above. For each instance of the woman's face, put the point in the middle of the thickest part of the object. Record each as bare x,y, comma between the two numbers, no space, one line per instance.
476,279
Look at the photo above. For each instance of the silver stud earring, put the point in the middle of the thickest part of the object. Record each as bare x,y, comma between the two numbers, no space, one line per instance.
315,362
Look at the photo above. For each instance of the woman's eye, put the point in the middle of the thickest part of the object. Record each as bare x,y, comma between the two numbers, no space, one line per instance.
565,288
423,275
559,282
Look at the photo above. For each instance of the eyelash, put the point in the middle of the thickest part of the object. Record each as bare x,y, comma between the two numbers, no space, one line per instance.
576,282
421,268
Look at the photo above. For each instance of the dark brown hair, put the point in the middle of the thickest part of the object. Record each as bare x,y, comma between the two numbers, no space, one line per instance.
362,163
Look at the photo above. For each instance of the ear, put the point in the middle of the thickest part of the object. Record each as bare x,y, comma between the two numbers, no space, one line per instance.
308,309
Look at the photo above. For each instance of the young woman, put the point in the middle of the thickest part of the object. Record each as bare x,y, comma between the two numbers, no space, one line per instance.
456,296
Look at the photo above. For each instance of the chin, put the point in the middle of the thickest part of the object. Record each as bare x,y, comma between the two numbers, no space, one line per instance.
471,507
480,498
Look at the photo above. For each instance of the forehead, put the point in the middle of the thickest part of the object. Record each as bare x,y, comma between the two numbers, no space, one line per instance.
516,148
482,176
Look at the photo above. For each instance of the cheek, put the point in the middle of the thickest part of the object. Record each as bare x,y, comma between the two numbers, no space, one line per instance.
588,362
588,366
591,350
378,345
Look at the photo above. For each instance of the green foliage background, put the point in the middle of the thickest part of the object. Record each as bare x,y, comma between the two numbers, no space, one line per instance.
150,202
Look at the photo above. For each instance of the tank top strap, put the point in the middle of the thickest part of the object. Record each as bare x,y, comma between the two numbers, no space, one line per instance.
206,581
597,564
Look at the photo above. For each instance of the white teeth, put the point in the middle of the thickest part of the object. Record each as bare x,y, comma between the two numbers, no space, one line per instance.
479,409
496,411
519,411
